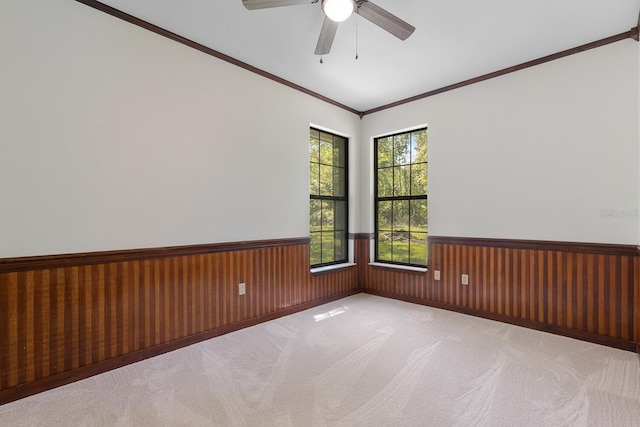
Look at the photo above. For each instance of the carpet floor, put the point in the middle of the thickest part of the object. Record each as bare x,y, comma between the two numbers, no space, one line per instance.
360,361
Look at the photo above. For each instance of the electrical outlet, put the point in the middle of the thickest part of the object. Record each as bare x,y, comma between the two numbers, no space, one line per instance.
436,274
241,289
465,279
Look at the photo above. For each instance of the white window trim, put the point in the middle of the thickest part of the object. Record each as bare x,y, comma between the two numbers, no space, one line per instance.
332,267
351,146
372,242
399,267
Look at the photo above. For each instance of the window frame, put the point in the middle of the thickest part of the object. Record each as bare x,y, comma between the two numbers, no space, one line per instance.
377,199
344,198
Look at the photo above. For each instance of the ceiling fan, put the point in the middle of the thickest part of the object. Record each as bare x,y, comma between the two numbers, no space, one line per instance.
337,11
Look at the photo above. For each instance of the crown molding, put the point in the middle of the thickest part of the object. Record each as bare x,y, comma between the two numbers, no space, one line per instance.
633,34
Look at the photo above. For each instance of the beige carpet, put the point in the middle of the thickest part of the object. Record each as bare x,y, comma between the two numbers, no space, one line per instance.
360,361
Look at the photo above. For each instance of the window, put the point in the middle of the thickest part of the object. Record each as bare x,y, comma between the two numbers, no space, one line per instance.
401,198
328,198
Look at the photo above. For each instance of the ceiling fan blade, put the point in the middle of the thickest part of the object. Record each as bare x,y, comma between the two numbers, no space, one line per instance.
327,34
265,4
385,20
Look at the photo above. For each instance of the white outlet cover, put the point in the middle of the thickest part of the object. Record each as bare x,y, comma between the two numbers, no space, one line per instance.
241,289
436,274
465,279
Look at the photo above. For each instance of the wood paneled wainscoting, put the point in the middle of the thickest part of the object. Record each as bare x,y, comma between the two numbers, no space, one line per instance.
67,317
586,291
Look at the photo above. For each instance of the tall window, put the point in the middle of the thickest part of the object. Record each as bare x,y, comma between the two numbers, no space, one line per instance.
328,198
401,198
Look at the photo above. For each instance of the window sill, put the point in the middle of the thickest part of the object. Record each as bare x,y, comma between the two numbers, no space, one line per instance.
399,267
331,268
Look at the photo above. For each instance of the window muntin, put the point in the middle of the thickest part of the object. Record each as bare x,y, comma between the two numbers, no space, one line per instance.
328,210
401,187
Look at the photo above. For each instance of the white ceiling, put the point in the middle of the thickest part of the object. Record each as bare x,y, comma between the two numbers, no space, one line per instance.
455,40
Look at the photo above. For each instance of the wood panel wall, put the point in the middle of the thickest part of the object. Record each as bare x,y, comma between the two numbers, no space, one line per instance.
64,318
586,291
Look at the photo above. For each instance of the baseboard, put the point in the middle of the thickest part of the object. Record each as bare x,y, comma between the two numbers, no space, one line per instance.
24,390
557,330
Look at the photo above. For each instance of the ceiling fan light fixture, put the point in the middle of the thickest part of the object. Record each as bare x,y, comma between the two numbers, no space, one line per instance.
338,10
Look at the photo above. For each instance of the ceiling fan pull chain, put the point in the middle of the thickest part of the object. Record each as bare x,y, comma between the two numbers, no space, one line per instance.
357,36
321,61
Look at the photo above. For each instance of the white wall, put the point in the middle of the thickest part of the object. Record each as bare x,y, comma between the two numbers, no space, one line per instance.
537,154
112,137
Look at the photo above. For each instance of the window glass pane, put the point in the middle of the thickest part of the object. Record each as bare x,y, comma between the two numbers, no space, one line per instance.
401,215
418,220
401,247
385,152
385,182
339,154
314,179
418,179
339,184
316,247
402,149
385,215
401,183
340,217
340,245
327,247
326,180
327,215
314,146
326,149
315,215
427,179
413,146
326,137
384,246
418,249
420,152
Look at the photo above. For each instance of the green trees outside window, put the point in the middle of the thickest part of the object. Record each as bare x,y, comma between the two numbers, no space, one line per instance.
401,187
328,211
